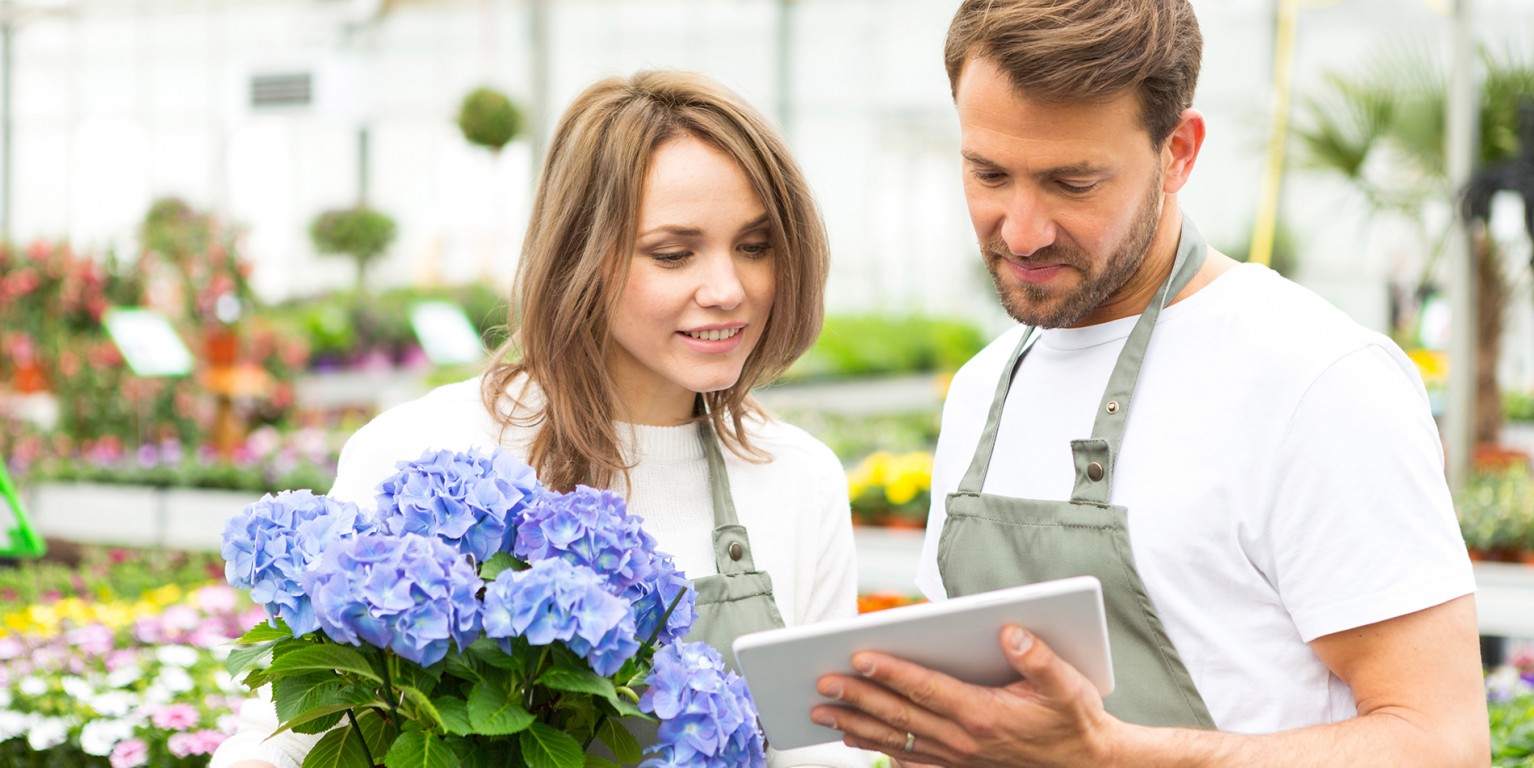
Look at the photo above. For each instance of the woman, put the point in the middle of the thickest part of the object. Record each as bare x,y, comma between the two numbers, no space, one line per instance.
673,261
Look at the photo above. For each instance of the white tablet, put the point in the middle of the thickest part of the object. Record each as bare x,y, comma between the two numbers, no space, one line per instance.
960,637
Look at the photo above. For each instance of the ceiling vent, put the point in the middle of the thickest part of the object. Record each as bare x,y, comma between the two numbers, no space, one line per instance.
283,90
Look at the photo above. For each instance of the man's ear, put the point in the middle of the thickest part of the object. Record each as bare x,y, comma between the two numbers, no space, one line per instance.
1180,151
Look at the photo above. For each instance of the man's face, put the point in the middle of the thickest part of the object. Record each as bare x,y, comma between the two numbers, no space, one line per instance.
1065,199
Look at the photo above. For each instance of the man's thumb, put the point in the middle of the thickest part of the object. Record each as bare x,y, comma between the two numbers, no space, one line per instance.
1032,659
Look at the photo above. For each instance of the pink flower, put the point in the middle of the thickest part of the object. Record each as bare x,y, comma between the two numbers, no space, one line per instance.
92,639
175,717
121,658
10,648
129,754
217,599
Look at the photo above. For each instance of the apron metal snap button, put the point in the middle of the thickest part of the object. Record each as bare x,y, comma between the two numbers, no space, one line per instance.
1113,406
1095,471
736,550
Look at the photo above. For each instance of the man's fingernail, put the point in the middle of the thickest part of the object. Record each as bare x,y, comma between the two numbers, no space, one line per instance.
1020,640
825,720
833,690
863,666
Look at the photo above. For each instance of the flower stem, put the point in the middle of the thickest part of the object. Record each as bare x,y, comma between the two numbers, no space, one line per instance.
663,619
543,657
389,687
358,730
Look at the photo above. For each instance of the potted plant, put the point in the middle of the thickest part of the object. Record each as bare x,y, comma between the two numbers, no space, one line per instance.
489,119
359,232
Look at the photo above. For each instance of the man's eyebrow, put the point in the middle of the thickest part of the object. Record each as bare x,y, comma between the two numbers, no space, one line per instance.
1074,169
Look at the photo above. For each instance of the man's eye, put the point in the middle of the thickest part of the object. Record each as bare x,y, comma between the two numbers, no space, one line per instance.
1076,189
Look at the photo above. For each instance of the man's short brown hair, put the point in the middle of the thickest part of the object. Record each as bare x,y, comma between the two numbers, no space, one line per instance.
1085,51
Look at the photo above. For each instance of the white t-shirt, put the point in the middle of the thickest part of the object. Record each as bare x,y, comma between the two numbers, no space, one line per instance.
1282,472
794,508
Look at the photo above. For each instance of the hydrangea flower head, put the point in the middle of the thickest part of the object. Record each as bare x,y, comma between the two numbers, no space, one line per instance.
592,528
406,592
707,715
555,600
470,500
272,542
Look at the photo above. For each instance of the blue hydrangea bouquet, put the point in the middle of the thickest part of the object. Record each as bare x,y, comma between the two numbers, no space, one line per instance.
479,619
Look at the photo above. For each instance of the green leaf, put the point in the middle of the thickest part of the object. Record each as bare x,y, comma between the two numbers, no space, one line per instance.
423,705
454,714
544,746
490,652
339,748
465,667
494,712
378,732
422,679
295,695
240,658
469,754
592,761
332,657
264,632
565,676
499,562
618,739
624,708
419,750
317,720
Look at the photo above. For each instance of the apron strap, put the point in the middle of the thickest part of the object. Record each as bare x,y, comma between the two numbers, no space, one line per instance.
732,547
1094,458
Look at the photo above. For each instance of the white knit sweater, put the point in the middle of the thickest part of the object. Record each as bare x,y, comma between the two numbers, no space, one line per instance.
794,507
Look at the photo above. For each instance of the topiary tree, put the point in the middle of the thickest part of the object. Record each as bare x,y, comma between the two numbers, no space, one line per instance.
488,118
360,232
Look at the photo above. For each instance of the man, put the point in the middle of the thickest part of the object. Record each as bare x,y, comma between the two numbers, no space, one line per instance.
1255,479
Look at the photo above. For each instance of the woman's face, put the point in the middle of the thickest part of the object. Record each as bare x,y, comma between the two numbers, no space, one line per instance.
700,284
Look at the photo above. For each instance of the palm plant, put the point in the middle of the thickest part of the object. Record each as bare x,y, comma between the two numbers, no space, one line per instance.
1382,130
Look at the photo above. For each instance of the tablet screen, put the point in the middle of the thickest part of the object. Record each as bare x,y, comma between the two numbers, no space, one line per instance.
960,637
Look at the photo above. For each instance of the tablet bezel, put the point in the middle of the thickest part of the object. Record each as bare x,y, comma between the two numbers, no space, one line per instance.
960,637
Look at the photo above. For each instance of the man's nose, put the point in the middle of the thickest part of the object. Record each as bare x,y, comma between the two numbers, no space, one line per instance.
1026,226
720,285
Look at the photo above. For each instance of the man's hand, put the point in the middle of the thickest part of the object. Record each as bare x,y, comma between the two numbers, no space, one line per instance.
1053,717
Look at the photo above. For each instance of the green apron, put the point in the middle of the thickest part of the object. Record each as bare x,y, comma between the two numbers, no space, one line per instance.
989,542
736,600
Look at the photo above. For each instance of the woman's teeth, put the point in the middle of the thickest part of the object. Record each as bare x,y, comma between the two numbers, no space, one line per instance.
715,335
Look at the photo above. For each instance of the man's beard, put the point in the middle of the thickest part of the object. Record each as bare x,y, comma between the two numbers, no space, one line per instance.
1031,304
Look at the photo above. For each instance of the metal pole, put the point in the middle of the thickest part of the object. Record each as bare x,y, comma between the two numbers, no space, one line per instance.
7,60
785,84
538,50
1460,155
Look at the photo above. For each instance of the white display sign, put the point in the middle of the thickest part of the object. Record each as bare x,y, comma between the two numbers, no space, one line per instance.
445,333
149,344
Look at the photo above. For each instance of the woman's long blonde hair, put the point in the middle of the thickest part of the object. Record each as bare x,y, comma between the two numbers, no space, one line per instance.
576,255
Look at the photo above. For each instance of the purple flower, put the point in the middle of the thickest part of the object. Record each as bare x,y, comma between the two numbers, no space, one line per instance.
273,541
707,716
469,500
592,528
556,601
406,592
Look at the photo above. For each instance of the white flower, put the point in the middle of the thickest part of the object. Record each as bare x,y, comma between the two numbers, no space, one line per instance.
47,733
227,683
113,703
32,686
157,693
124,676
98,737
175,680
5,698
77,688
12,724
176,655
221,651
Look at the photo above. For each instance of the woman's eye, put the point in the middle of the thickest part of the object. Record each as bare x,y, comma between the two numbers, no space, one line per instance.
670,258
756,249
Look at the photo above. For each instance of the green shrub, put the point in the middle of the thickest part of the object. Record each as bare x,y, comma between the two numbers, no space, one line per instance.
1496,511
1512,732
489,119
869,345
